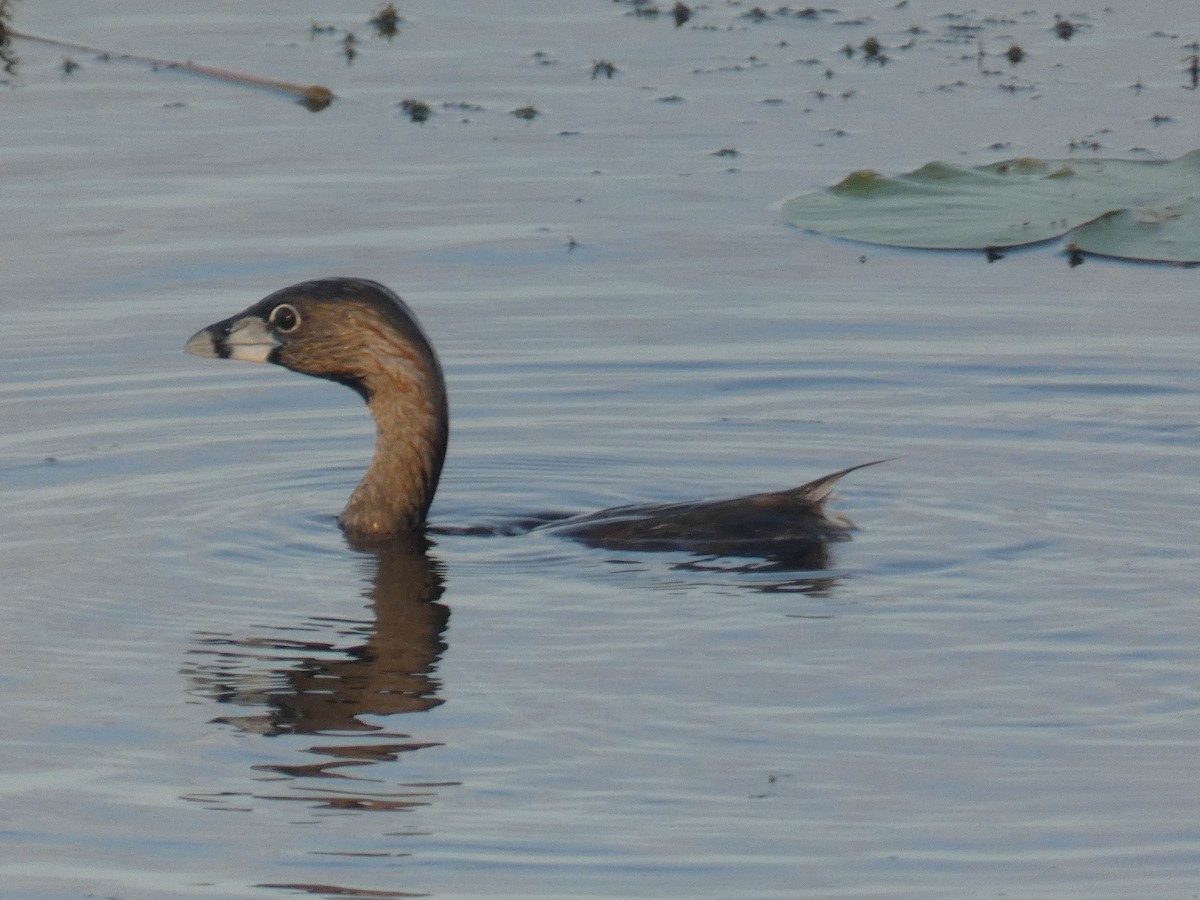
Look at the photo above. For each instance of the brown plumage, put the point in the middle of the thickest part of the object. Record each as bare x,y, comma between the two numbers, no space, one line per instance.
360,334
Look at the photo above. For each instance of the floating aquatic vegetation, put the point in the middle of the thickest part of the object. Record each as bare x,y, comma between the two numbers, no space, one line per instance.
603,67
417,110
1129,209
387,21
1064,28
8,59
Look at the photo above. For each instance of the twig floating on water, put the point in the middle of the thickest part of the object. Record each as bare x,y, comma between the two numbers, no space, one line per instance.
314,96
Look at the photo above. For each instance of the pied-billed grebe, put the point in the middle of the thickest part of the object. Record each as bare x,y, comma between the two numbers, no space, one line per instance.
359,333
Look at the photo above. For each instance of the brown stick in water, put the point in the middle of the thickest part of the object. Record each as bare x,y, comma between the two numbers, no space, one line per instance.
314,96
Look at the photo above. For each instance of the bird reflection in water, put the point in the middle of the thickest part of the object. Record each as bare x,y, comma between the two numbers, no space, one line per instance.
291,686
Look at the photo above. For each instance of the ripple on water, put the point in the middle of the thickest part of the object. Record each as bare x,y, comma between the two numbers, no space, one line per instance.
207,690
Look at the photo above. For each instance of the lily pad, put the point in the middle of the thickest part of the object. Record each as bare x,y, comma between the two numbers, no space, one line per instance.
1130,209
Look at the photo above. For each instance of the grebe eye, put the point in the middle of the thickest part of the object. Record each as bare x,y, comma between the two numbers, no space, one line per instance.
284,318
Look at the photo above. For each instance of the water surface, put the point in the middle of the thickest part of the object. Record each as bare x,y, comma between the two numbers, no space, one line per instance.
990,691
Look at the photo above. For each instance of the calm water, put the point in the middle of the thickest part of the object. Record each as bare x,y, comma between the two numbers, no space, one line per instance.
992,691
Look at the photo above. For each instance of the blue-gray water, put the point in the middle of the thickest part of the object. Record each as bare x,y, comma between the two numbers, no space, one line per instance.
205,692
